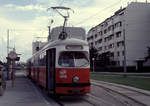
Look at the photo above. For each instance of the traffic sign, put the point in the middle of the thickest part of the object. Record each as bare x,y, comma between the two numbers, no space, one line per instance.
12,55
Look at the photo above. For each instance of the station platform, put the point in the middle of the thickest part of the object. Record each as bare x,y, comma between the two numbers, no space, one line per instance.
24,93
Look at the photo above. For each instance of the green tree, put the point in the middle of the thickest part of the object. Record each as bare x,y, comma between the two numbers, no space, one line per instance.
104,59
93,52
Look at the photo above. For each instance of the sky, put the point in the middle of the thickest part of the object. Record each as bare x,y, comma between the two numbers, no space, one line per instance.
28,19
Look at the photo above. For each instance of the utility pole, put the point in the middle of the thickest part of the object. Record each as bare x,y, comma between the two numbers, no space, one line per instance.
93,64
49,30
124,65
7,54
7,42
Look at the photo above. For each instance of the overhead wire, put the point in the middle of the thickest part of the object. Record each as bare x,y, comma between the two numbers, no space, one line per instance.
61,2
95,14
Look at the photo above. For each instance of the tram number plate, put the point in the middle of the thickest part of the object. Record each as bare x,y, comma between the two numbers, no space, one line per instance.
75,91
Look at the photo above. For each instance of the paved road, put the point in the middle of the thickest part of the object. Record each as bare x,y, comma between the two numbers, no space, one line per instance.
24,93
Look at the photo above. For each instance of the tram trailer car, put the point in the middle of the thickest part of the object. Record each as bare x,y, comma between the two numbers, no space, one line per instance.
62,67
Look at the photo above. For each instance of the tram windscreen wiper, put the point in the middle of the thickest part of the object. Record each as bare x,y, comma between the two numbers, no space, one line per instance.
85,64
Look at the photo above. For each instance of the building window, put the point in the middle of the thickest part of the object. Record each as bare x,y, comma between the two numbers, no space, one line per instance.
100,33
112,27
109,28
105,47
105,31
95,35
115,26
96,43
120,44
100,40
122,53
118,34
110,37
111,46
105,24
105,39
118,53
118,24
92,44
117,44
100,48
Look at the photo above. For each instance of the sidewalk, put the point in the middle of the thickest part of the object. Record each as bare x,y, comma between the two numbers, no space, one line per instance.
24,93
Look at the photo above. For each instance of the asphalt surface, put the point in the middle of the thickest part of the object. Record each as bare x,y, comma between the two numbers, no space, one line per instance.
24,93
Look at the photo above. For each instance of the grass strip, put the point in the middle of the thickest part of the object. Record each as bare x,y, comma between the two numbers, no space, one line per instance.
134,81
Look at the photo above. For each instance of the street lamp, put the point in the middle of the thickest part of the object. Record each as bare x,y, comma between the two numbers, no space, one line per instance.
93,63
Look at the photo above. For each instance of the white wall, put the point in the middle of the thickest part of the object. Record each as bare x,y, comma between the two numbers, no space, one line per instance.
137,30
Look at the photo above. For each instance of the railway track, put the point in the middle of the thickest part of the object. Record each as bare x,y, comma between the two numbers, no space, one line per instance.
132,95
102,94
106,97
73,101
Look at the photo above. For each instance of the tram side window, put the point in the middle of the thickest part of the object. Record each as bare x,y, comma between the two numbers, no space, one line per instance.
43,61
73,59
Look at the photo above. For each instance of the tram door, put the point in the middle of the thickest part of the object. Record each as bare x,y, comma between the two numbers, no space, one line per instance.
50,69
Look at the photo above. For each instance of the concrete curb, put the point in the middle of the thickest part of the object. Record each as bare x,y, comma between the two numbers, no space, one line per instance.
128,74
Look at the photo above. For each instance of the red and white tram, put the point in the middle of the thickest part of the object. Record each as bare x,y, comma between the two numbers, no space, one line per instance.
62,67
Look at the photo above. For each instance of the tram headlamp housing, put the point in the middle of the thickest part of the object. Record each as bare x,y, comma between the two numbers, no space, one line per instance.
75,79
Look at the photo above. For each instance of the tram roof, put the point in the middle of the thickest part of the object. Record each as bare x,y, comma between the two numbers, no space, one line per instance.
69,41
59,42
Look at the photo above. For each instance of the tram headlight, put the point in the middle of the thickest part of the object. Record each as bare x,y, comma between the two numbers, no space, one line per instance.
75,79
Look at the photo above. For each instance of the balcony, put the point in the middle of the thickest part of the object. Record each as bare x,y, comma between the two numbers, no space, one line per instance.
117,29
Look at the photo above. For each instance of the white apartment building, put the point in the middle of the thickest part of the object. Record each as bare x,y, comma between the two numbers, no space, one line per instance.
132,24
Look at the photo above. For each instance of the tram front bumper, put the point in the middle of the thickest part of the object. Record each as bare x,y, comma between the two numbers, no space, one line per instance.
71,89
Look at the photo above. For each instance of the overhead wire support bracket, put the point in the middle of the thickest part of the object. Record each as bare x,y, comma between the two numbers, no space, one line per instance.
63,34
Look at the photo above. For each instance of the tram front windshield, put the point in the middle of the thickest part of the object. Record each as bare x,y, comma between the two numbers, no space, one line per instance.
73,59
